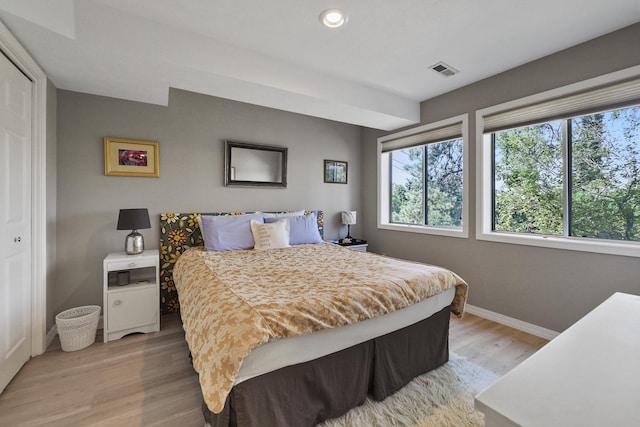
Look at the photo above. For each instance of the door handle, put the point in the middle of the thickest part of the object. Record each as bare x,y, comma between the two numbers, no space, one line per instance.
17,239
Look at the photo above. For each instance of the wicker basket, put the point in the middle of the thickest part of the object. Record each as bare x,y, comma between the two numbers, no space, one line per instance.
77,327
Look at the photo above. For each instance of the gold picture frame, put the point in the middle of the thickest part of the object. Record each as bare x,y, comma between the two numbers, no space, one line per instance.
131,157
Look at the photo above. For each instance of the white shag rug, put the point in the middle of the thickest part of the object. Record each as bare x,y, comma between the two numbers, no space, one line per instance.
440,398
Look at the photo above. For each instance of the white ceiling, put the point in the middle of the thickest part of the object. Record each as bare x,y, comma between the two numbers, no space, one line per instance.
374,71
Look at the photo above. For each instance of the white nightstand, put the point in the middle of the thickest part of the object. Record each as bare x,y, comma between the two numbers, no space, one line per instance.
135,306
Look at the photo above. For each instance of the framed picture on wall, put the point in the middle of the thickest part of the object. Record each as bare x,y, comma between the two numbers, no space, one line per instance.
131,157
335,172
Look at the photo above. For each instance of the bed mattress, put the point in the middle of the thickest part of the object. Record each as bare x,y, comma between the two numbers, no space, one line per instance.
279,353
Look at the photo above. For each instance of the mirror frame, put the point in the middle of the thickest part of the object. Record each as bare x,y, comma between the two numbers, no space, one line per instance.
229,181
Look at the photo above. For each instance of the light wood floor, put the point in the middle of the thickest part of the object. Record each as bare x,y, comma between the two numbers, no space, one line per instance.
147,380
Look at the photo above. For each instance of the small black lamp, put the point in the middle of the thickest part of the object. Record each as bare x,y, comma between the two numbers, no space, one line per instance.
134,220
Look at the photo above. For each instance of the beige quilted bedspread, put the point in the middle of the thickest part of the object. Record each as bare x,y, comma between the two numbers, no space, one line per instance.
231,302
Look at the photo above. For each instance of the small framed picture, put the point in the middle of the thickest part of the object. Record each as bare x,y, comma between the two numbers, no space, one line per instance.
130,157
335,172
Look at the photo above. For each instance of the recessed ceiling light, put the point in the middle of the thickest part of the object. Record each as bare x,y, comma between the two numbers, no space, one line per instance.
333,18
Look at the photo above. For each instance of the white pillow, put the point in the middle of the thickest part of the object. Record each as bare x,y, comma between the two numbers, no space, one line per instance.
270,236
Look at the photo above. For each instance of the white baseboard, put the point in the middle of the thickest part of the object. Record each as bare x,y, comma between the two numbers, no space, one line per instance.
51,335
512,323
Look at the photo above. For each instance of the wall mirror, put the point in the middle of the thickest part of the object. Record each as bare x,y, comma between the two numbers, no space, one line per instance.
254,165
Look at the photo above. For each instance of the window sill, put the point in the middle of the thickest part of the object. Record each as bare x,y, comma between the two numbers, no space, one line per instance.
631,249
422,229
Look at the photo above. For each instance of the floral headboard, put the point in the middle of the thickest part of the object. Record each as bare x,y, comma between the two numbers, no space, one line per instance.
179,231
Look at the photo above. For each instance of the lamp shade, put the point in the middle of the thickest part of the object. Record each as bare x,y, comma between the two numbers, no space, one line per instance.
348,217
133,219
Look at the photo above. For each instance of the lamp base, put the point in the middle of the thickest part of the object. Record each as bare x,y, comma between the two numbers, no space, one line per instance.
134,243
348,232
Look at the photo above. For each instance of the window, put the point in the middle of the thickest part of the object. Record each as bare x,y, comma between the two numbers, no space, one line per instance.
528,179
602,165
566,179
431,198
422,175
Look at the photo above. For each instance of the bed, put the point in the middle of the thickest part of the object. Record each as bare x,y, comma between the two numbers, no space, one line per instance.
266,356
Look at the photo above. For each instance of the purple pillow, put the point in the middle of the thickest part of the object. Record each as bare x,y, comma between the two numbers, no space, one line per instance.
302,229
228,232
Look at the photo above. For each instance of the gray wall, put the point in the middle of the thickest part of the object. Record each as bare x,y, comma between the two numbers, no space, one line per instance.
547,287
191,131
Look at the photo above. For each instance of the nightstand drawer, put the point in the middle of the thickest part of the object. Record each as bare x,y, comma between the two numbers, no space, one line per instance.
132,307
129,264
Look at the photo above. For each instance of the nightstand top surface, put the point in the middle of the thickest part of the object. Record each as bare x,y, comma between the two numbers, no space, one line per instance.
122,256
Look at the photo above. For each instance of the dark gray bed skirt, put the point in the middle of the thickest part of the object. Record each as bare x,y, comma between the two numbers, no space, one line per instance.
308,393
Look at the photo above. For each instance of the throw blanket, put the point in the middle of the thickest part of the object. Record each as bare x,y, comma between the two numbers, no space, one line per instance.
231,302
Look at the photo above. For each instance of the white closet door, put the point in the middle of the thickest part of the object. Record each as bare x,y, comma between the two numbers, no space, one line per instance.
15,220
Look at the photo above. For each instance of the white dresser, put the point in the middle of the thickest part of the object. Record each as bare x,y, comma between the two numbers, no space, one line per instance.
587,376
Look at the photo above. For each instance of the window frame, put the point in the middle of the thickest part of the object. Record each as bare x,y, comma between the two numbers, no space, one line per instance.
485,177
384,182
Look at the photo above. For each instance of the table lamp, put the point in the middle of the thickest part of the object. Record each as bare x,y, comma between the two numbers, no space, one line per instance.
134,220
348,219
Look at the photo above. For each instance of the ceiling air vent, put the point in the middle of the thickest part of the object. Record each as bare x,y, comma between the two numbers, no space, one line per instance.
444,69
